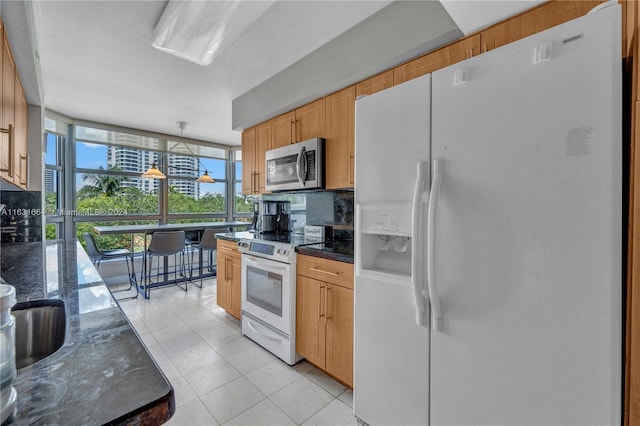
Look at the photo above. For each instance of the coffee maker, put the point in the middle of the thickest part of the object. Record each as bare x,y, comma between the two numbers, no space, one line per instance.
272,217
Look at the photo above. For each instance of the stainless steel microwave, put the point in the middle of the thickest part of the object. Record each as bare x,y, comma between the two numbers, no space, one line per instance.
296,166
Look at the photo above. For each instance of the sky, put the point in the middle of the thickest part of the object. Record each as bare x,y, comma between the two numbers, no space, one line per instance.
92,156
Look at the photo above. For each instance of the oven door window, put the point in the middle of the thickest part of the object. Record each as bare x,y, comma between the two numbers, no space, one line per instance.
264,289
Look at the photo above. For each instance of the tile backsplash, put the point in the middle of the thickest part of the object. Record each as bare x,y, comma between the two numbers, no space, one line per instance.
334,209
21,220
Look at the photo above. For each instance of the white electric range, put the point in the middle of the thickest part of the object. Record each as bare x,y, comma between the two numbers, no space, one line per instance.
269,292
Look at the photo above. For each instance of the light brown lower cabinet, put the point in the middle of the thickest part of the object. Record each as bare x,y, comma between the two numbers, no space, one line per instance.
324,316
228,278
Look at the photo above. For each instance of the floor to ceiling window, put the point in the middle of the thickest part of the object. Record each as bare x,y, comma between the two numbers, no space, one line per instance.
243,207
103,165
56,131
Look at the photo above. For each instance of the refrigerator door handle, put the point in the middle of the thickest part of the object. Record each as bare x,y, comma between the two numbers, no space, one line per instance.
436,311
416,256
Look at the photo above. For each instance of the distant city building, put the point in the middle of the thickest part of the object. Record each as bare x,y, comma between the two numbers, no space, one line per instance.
180,165
138,161
49,181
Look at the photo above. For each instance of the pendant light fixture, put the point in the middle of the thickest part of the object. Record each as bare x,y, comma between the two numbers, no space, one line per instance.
155,173
205,178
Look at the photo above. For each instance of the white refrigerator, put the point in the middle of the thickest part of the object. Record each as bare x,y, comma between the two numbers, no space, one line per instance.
489,237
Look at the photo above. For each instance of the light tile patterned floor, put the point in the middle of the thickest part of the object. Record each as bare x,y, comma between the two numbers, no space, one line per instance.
223,378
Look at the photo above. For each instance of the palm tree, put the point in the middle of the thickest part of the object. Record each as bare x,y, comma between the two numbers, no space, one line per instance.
102,184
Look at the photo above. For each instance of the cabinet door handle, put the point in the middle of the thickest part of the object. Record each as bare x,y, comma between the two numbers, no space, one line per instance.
328,303
9,168
256,183
320,310
294,133
24,173
352,159
257,187
333,274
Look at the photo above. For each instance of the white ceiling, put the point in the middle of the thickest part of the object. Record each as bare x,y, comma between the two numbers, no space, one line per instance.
98,63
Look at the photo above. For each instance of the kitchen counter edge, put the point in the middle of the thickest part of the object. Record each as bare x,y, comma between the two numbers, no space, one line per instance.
103,373
324,254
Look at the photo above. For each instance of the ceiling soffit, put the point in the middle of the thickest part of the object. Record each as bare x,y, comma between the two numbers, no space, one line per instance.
396,33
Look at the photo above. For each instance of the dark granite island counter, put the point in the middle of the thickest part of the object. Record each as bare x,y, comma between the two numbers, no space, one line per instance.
102,374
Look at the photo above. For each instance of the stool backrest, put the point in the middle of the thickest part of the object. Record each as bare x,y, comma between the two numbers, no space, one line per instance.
166,243
92,248
208,240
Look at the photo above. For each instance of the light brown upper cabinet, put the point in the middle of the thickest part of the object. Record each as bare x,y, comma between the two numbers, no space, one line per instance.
14,167
255,143
455,52
21,158
282,129
340,139
298,125
7,162
248,159
310,121
375,84
4,135
546,16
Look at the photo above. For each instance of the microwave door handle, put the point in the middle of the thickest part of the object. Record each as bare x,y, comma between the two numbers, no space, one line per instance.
301,166
305,167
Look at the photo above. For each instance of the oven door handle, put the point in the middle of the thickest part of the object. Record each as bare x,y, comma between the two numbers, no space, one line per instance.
265,264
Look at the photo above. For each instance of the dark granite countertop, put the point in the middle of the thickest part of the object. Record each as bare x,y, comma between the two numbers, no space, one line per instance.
103,373
235,236
341,251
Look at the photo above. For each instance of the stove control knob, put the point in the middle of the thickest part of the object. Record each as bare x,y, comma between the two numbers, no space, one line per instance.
285,252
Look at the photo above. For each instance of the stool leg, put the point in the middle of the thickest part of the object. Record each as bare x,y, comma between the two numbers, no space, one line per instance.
200,267
147,288
180,270
132,279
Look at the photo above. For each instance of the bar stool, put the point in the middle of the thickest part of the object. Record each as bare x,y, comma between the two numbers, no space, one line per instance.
207,243
97,255
164,244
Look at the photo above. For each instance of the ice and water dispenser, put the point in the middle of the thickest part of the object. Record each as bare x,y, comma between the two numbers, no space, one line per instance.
385,237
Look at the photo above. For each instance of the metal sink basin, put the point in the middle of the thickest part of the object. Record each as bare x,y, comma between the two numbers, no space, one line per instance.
40,329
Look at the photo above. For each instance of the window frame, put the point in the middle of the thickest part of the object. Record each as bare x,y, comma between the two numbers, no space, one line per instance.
68,171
